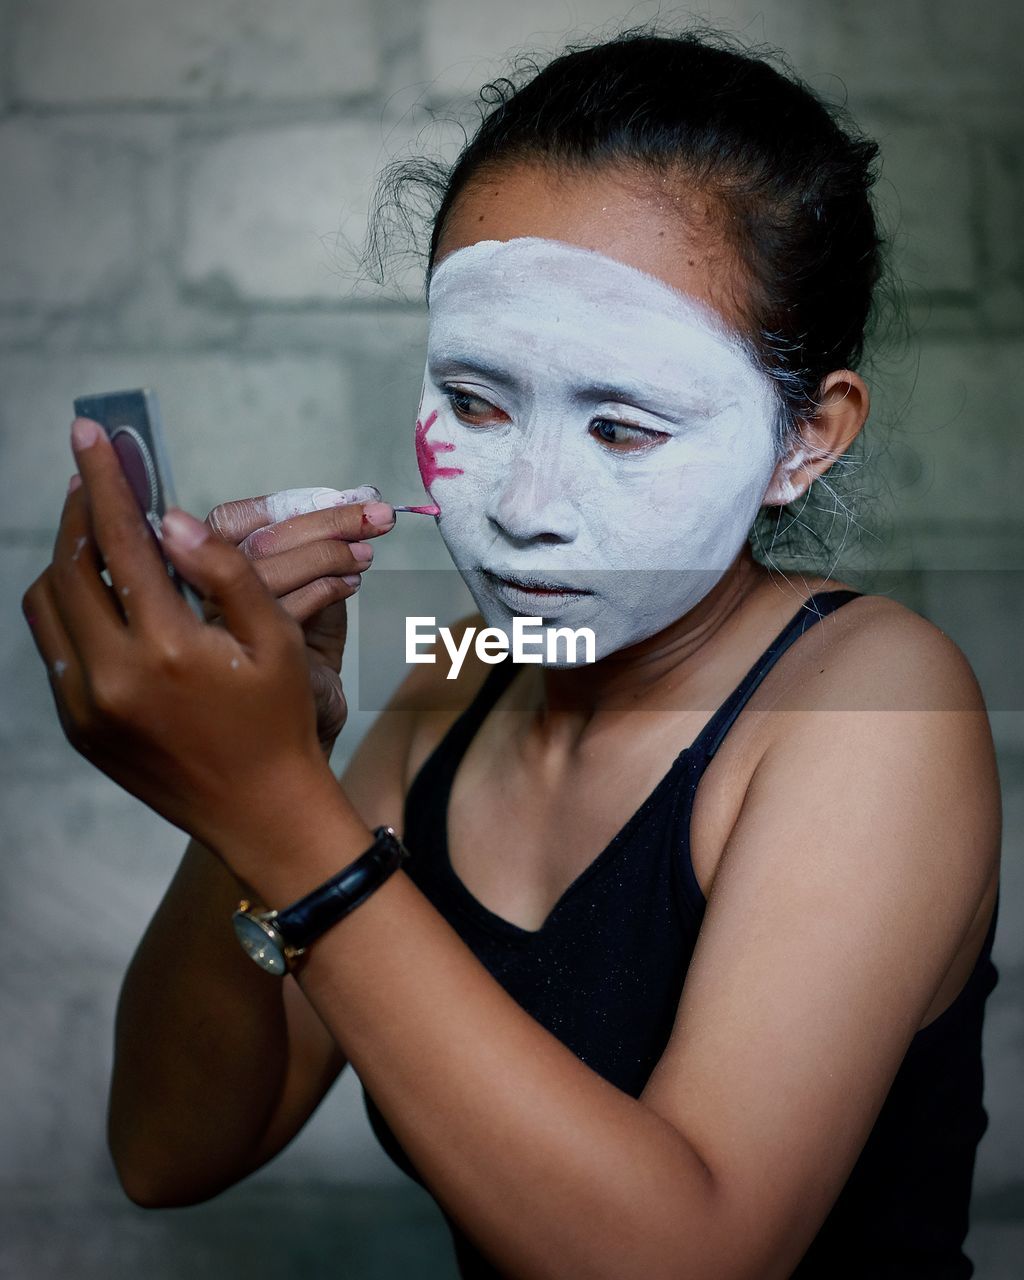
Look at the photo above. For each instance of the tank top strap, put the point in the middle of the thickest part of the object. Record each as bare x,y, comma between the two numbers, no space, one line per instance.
811,611
464,728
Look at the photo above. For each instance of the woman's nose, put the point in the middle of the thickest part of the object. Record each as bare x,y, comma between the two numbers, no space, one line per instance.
529,502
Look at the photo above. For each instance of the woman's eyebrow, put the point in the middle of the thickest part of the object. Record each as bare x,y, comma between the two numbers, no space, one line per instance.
467,364
656,400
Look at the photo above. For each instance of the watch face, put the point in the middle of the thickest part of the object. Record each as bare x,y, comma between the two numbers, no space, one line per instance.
259,944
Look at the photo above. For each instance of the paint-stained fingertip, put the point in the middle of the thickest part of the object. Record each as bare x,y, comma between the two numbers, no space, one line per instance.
380,515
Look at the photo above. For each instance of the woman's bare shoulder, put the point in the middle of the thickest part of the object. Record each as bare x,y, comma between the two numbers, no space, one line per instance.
869,674
881,655
887,685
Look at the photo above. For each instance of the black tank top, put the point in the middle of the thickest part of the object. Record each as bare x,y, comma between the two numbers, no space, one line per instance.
605,971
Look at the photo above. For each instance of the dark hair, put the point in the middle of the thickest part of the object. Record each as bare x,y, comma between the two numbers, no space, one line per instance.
789,176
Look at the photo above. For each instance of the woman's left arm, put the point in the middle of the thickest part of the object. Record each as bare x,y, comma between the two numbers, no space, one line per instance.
849,881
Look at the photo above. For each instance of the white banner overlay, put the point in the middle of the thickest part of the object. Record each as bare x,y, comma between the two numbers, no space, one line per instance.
529,636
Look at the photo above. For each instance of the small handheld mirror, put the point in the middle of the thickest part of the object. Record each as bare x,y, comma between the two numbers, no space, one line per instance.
131,420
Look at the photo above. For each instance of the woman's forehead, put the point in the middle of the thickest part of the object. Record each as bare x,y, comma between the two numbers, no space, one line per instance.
656,223
540,273
573,315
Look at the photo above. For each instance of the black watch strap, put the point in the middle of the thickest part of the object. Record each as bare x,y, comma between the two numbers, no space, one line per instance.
305,920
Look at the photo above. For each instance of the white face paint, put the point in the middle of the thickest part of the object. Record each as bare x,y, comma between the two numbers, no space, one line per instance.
286,504
585,423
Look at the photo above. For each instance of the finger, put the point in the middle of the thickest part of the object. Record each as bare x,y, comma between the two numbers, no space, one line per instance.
352,524
236,520
332,709
316,596
292,570
84,603
222,574
55,648
123,538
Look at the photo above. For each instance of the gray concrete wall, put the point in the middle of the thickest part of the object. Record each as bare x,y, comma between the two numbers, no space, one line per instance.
183,188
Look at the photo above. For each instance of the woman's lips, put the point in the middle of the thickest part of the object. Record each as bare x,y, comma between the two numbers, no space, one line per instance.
519,591
537,583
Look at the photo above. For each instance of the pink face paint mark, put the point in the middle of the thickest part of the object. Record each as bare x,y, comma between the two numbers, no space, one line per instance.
427,451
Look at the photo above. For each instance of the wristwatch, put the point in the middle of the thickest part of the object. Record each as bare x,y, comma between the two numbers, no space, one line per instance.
277,939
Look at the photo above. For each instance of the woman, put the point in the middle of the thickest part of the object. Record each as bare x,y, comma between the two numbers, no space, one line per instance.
660,992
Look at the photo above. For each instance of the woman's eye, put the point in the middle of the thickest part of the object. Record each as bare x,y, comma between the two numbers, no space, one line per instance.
620,436
471,408
625,438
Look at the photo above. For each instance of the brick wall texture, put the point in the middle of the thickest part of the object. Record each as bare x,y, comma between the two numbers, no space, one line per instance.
183,202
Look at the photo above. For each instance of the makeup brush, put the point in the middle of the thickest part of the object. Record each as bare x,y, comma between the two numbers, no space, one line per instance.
420,511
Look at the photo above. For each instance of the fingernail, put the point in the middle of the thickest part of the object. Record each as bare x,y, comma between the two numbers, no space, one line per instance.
74,483
322,499
84,433
380,514
185,530
361,552
353,579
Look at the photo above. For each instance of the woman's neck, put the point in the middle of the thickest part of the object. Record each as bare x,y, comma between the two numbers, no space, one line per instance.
562,702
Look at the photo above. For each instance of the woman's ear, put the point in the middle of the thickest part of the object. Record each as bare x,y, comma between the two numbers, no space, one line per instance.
843,405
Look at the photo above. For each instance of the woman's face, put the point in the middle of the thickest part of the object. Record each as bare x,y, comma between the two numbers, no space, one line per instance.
589,421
